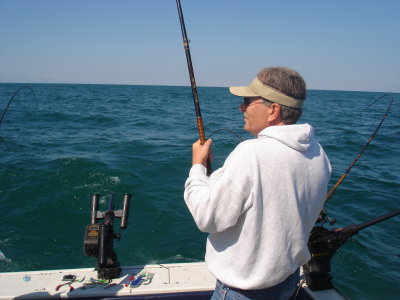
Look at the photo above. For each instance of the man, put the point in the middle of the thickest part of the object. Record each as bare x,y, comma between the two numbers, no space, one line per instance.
260,207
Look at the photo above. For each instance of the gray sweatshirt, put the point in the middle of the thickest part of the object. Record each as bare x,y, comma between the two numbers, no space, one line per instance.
260,207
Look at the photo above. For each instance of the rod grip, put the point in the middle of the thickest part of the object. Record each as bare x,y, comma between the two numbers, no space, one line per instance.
202,141
201,130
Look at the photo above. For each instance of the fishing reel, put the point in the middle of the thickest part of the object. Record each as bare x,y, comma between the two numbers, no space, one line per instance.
323,218
98,240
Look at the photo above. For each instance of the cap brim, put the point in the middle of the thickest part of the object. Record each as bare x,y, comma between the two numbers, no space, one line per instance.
242,91
258,89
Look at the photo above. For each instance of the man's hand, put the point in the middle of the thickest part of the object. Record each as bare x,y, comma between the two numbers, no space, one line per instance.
200,153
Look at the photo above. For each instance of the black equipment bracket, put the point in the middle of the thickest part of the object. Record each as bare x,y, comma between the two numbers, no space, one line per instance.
324,243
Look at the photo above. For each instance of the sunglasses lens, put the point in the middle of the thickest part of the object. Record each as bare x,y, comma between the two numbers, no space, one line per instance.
242,107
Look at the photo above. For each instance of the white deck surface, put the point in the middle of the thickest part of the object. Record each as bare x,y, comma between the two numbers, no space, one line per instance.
168,278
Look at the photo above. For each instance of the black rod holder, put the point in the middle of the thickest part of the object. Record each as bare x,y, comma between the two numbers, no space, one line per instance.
125,211
95,206
99,237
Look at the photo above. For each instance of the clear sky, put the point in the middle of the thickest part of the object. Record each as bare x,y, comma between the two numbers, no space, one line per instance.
335,45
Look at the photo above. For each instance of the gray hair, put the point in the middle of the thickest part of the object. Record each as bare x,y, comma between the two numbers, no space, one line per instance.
289,115
288,82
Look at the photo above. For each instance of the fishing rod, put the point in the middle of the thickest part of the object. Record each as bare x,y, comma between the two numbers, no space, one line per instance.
12,98
193,82
334,188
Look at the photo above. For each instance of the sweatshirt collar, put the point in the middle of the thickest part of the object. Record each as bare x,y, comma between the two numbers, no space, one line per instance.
296,136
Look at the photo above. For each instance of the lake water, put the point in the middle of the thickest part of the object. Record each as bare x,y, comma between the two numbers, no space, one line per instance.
71,141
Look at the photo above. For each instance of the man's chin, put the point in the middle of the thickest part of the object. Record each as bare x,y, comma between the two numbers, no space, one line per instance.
246,128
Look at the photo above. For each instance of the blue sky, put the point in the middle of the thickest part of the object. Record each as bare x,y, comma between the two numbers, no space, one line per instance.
335,45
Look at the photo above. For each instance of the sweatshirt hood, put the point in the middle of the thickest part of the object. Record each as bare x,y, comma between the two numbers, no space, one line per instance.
296,136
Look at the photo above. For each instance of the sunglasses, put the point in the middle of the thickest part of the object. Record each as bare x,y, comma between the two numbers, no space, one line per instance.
248,102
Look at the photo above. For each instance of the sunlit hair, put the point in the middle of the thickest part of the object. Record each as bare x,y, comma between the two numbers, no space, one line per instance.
288,82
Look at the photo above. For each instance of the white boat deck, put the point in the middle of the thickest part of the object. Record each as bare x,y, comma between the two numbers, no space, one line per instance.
167,279
170,278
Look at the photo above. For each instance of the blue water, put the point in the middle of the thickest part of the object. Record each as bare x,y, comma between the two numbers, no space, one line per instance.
74,140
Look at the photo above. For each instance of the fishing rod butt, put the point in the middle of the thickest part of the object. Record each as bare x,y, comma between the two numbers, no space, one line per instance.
209,168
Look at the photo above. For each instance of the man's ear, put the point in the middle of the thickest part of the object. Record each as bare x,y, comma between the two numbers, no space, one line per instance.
275,113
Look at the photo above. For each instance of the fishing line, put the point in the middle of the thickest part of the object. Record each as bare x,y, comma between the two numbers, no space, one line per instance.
333,189
12,98
369,105
231,131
